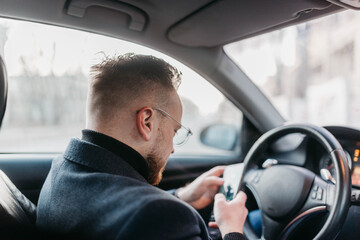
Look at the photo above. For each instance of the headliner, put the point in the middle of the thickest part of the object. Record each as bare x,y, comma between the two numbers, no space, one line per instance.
200,23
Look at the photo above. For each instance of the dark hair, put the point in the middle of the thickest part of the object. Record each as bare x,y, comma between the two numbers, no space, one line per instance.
119,79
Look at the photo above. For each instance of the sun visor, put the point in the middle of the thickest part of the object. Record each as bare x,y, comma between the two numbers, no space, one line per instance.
225,21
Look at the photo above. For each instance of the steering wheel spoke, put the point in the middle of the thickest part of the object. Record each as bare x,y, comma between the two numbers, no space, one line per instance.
318,195
319,200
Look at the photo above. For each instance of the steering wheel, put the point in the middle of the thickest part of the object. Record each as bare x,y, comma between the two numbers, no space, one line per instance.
287,195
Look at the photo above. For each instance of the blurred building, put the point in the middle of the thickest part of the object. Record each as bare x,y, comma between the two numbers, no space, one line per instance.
310,72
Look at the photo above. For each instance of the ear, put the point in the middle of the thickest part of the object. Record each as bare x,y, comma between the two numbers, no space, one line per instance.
145,122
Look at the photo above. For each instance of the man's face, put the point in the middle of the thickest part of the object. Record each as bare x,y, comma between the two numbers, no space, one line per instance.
163,144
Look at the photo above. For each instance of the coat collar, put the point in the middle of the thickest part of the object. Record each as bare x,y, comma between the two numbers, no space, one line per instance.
106,154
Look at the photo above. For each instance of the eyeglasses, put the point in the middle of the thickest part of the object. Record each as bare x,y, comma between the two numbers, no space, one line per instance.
181,135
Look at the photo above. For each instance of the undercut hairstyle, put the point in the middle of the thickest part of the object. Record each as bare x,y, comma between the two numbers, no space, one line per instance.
118,80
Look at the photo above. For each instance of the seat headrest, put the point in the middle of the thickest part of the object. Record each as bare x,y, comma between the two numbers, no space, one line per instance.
3,89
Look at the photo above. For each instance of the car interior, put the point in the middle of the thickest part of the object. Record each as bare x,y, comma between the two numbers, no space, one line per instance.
301,176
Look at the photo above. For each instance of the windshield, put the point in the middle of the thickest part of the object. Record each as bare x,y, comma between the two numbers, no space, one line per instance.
310,72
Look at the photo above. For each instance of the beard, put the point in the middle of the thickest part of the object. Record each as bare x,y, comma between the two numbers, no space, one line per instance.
155,168
155,162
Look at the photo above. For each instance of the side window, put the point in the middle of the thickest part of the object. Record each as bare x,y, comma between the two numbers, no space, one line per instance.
213,119
48,69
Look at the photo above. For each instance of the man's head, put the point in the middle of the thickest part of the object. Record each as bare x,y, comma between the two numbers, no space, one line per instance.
125,95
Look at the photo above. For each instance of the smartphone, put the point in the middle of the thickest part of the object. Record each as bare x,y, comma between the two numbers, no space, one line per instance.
231,176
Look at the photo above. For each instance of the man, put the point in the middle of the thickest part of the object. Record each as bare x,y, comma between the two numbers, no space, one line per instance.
101,187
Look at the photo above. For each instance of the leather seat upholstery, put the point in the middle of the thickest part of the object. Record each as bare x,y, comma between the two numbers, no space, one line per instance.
17,213
15,208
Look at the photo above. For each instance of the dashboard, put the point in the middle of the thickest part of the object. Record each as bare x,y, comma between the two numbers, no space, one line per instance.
349,139
303,151
352,150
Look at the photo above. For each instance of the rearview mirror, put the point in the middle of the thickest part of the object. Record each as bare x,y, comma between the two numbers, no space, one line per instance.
220,136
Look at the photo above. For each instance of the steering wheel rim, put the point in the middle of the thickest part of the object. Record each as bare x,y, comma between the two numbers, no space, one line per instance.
339,208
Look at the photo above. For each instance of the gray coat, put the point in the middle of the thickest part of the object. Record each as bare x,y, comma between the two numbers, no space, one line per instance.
93,193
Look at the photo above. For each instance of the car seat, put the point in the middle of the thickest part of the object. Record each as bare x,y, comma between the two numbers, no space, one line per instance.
17,213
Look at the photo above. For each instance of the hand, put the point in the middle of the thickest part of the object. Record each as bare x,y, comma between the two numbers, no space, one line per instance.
200,193
230,216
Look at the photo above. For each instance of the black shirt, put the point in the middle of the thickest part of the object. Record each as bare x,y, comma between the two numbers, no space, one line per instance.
122,150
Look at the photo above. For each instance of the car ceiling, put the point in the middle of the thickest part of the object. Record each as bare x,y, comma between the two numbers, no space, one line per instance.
201,23
191,31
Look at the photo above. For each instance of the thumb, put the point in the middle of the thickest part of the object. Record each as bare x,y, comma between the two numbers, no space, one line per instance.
219,198
240,198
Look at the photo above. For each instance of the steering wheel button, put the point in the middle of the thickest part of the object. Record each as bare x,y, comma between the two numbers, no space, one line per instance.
316,187
319,195
313,195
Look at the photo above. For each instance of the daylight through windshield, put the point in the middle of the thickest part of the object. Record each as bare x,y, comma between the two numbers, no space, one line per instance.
310,72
